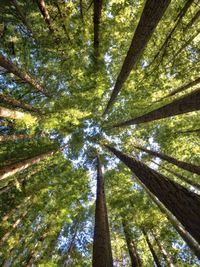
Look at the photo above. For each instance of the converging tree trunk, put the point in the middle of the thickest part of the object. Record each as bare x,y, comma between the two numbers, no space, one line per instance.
20,166
153,253
13,68
181,202
11,114
96,21
45,14
6,98
15,137
134,256
102,253
181,164
151,15
185,104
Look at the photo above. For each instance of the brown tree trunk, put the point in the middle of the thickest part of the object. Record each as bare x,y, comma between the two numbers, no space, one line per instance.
181,177
134,256
102,253
182,203
45,14
20,166
96,21
6,138
166,255
153,253
11,114
185,104
181,164
13,68
17,103
151,15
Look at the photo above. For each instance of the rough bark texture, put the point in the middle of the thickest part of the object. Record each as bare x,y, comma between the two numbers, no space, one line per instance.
102,253
5,138
153,253
17,103
45,14
182,203
151,15
134,256
13,68
185,104
181,164
17,167
96,21
181,177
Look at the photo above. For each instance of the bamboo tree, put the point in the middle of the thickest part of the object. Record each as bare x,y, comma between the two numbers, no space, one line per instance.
185,104
151,15
181,202
181,164
102,253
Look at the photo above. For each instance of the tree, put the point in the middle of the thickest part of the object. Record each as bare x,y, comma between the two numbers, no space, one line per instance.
102,254
45,14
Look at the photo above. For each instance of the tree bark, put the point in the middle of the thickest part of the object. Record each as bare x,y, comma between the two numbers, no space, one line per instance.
166,255
185,104
181,177
182,203
134,256
45,14
15,137
181,164
153,253
13,68
151,15
102,253
96,21
11,114
17,103
20,166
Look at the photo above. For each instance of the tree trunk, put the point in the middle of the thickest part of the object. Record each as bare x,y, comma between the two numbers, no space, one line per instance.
96,21
134,256
181,164
45,14
20,166
166,255
185,104
181,177
6,138
153,253
182,203
102,253
11,114
151,15
17,103
13,68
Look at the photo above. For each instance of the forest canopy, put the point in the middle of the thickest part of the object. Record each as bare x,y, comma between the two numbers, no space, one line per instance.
99,133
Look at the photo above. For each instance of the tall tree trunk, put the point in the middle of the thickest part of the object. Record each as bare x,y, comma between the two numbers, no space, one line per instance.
11,114
96,21
15,137
181,177
181,164
185,104
102,253
17,103
153,253
166,255
45,14
182,203
13,68
20,166
151,15
134,256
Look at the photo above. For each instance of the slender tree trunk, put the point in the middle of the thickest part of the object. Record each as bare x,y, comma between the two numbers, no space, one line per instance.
185,104
6,138
11,114
151,15
153,253
166,255
181,164
181,202
188,131
96,21
102,253
20,166
181,177
13,68
134,256
17,103
45,14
